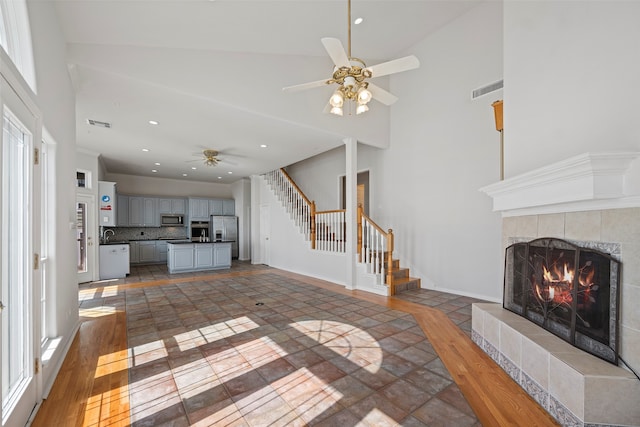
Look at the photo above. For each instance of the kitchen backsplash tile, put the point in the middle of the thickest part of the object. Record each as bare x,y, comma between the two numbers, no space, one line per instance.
148,233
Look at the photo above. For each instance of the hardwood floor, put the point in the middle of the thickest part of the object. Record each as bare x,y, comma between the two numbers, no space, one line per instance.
92,386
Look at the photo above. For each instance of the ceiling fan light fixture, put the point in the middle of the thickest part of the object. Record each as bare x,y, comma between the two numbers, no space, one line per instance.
362,108
337,99
364,95
336,110
349,81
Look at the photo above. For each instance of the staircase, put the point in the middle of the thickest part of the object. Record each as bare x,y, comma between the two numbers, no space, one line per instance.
379,272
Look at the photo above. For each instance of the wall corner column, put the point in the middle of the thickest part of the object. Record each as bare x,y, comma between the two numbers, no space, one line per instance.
351,198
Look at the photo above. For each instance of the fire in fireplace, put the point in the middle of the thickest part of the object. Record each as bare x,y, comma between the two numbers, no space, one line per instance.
569,290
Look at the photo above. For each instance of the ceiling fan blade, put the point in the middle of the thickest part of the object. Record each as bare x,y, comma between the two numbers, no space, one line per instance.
305,86
382,95
336,51
395,66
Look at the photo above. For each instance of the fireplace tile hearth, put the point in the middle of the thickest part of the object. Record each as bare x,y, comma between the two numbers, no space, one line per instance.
578,389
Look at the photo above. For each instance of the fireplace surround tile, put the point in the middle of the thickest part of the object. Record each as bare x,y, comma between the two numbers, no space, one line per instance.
583,225
631,269
629,313
576,388
621,225
550,225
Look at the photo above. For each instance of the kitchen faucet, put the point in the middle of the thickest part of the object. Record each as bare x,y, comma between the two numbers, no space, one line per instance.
104,234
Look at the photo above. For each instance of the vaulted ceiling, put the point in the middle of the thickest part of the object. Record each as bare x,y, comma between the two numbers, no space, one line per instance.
212,72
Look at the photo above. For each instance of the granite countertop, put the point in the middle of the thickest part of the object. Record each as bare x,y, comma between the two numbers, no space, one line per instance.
201,243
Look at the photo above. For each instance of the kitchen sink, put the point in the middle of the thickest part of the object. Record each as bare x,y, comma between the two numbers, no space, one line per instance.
116,242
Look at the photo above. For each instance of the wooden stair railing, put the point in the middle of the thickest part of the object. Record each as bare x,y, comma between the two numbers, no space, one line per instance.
375,249
326,230
301,209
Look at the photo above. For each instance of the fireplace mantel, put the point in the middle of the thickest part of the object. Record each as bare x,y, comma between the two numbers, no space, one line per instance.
585,182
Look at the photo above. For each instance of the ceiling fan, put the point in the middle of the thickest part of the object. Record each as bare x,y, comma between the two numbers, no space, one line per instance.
351,75
209,157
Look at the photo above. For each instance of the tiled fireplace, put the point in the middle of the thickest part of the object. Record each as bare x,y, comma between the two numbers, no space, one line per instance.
582,202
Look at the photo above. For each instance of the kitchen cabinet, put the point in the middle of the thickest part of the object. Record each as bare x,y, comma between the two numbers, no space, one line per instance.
161,251
134,252
147,251
228,207
203,256
216,207
122,210
198,209
172,206
184,257
222,255
143,212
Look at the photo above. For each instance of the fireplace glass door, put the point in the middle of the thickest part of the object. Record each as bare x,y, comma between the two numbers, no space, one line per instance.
569,290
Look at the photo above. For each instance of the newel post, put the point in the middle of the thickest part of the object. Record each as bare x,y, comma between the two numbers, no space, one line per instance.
313,224
389,256
359,248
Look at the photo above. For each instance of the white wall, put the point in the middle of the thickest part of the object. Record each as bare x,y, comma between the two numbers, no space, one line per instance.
241,190
444,147
319,176
56,100
571,80
288,248
149,186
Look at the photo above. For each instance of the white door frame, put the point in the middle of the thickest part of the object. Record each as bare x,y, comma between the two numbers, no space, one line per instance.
19,101
264,246
92,243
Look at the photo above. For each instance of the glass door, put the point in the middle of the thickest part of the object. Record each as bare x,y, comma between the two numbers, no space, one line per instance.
85,237
20,238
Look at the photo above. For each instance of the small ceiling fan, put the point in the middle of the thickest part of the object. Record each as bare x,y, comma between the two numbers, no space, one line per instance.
351,75
209,157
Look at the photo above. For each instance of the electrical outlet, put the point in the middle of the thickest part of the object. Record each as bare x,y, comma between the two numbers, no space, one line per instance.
142,233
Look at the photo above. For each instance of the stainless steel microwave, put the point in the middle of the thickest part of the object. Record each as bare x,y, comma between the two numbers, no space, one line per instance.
172,220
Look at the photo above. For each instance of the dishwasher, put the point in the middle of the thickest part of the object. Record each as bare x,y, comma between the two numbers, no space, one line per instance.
114,261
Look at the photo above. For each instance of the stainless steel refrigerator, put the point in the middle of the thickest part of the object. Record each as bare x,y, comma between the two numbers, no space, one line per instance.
225,228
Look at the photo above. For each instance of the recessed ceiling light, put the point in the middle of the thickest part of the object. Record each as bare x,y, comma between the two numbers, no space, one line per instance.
193,167
157,164
358,21
229,172
263,146
184,174
219,177
153,122
145,150
153,170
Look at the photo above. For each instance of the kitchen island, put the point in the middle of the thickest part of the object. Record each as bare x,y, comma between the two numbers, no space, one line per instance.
184,257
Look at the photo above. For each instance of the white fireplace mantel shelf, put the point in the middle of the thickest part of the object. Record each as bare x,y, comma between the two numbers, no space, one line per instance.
584,182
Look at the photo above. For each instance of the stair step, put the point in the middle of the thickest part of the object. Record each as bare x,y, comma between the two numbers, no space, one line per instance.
402,285
399,274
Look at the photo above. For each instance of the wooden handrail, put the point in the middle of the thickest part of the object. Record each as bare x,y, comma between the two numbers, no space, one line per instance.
332,211
359,240
376,226
284,172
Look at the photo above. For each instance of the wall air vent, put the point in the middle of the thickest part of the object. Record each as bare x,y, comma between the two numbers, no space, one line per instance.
98,123
486,89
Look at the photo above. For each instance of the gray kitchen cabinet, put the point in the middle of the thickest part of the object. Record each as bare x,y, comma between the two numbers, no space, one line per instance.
161,251
216,207
198,256
147,251
122,210
222,255
198,209
172,206
134,252
143,212
203,256
228,207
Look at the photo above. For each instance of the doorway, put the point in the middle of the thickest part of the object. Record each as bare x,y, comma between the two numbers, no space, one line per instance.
20,243
85,237
362,191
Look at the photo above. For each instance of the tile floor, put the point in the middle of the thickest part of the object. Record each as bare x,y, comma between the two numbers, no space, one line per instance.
262,349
